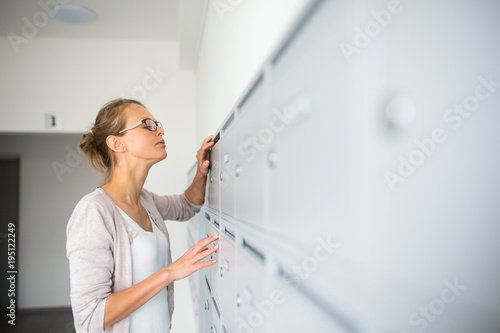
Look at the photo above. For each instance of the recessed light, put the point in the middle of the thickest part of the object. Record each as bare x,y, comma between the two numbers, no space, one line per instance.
73,14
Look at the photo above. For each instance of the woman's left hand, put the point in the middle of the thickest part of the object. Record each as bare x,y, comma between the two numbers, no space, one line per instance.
202,155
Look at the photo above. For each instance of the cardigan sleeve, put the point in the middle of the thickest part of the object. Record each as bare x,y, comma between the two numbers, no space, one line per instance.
89,248
175,207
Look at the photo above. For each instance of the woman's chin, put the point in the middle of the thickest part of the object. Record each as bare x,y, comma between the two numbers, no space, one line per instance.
164,156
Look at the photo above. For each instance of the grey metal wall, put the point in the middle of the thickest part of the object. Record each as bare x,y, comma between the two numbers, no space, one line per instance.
355,184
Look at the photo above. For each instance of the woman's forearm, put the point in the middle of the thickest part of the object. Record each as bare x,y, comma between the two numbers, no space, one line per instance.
122,303
195,193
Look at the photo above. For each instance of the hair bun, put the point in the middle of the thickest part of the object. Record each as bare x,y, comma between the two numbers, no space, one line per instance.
88,142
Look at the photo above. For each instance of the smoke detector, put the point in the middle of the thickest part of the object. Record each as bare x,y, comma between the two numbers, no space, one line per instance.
73,14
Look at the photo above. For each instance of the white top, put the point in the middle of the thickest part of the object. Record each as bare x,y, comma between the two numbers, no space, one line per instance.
149,255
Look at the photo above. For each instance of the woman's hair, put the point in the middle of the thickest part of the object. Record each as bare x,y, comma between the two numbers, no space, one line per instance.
109,121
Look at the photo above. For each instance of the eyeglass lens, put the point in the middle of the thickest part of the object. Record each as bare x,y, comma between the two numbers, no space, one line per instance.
151,125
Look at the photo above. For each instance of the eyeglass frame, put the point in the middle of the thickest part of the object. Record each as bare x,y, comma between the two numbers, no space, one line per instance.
143,121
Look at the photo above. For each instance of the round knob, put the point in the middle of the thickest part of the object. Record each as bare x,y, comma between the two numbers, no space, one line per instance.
272,158
212,329
249,142
401,110
211,179
237,170
221,176
221,272
207,305
238,299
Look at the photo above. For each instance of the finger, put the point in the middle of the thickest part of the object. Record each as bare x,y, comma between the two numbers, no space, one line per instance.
205,241
204,165
203,264
208,138
207,145
202,152
203,254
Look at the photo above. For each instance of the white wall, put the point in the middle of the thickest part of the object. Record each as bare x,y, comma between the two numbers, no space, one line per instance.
77,76
235,43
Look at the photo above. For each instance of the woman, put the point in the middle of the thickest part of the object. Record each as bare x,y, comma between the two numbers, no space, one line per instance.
118,247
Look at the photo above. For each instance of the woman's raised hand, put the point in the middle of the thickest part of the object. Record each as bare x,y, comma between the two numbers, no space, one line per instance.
201,155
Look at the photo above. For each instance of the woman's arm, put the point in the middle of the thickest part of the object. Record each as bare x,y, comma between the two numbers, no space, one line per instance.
196,192
122,303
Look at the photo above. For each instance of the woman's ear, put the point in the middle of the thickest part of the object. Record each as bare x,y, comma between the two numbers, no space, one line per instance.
115,144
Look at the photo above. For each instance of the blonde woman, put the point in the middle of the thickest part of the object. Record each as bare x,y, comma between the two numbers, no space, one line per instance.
118,246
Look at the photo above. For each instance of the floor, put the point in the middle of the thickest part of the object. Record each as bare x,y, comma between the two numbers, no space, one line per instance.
55,320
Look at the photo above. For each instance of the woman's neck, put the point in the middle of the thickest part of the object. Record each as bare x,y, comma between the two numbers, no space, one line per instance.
125,185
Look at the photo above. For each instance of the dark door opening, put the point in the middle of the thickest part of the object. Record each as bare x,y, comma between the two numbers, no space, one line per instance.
9,225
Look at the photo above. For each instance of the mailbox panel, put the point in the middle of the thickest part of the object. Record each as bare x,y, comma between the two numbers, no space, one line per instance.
250,157
307,166
251,288
212,196
229,170
227,276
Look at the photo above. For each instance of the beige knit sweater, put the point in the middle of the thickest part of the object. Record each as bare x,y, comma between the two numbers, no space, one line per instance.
98,247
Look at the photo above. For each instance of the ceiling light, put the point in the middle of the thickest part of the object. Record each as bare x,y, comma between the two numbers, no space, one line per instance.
73,14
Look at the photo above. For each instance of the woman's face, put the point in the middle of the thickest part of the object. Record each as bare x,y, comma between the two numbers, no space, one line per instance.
140,142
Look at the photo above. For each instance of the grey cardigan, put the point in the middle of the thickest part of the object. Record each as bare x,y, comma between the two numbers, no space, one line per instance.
98,247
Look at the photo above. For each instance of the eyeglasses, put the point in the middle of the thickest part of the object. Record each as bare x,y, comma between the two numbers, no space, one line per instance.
150,125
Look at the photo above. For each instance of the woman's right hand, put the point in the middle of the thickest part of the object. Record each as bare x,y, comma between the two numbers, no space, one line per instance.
122,303
191,261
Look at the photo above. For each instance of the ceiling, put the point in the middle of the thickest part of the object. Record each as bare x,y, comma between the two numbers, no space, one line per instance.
115,19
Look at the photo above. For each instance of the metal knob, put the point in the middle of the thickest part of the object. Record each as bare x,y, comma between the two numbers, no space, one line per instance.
238,299
221,272
207,305
401,110
272,158
237,170
221,176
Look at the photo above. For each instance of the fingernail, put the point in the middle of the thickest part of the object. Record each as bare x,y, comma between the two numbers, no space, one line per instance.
216,236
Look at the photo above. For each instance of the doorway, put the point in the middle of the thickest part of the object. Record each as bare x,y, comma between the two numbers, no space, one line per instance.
9,225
